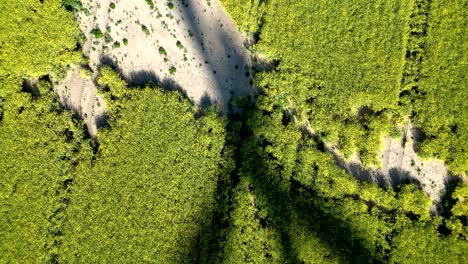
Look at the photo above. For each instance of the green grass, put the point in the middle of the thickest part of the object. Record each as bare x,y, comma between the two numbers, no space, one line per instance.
347,57
440,100
154,180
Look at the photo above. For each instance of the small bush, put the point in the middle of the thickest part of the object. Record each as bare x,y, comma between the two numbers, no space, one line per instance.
107,38
172,70
116,44
125,41
145,29
170,5
73,5
150,3
162,51
97,32
179,45
112,5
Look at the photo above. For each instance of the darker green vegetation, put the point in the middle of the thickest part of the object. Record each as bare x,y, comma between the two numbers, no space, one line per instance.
172,70
150,3
160,165
291,195
97,33
162,51
145,29
436,85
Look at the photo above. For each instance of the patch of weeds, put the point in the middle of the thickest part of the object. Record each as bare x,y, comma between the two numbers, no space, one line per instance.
97,33
150,3
239,101
179,45
170,5
107,38
172,70
145,29
125,41
81,38
162,51
73,5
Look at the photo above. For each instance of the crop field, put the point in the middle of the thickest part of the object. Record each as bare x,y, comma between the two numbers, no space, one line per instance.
233,131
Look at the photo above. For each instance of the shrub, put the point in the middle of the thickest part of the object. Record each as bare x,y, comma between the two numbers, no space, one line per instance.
150,3
172,70
145,29
97,32
170,5
162,51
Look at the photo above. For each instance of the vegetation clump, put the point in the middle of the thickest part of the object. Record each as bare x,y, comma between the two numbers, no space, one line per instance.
150,3
162,51
97,33
145,29
172,70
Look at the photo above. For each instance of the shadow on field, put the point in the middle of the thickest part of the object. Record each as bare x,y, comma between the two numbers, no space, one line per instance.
291,204
140,79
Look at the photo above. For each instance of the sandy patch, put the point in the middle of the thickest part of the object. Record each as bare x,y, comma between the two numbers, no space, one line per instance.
192,46
78,93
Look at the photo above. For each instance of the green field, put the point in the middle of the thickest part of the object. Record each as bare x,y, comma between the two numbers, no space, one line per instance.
165,182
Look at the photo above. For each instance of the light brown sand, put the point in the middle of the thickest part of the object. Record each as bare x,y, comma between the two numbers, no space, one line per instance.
211,66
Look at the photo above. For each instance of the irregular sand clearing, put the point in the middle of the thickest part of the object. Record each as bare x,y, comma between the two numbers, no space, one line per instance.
400,164
197,38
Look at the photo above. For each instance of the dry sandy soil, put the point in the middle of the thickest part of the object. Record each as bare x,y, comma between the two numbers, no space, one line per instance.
197,39
78,93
